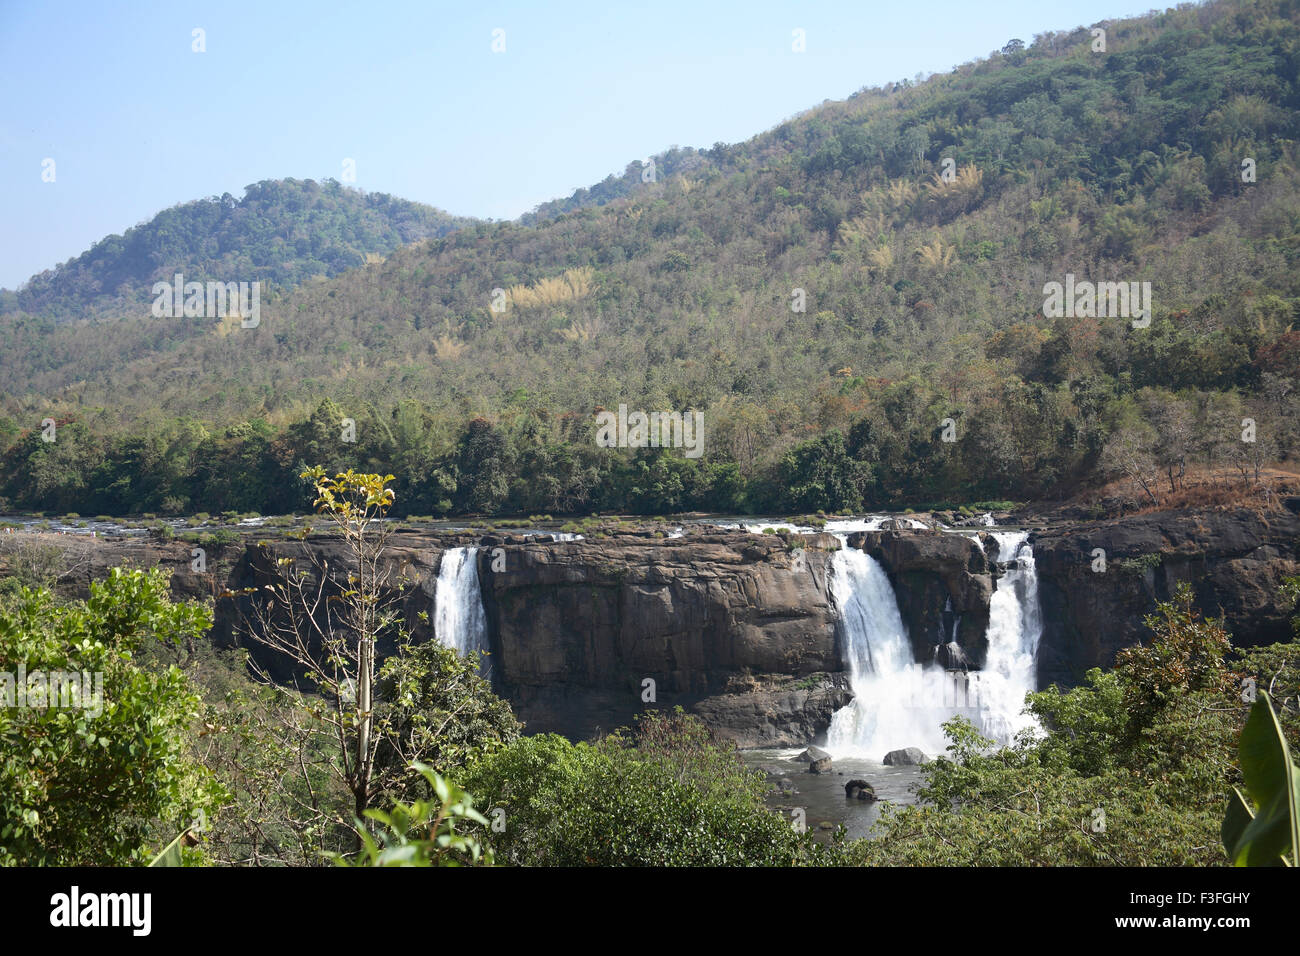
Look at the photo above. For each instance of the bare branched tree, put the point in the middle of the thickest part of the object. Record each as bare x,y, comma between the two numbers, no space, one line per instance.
1128,452
326,621
43,560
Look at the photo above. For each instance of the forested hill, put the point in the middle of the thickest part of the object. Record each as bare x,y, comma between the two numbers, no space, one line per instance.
855,300
282,232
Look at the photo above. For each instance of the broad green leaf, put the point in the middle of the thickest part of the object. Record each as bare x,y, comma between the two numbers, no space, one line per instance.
170,855
1235,820
1271,782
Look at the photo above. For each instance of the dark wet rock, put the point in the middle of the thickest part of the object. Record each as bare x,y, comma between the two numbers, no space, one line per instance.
1235,561
818,760
943,582
859,790
731,626
812,753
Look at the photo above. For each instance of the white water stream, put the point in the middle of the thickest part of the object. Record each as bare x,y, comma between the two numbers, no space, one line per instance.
901,702
459,621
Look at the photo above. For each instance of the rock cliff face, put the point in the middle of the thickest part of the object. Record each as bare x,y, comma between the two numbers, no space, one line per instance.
1235,561
733,626
740,629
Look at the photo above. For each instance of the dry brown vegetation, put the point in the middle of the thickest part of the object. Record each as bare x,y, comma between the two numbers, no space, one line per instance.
1212,488
42,559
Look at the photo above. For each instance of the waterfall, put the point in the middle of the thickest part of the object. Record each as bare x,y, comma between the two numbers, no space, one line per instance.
896,701
459,621
900,702
1015,627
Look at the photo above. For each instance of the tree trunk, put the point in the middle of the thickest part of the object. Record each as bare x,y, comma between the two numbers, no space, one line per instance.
365,680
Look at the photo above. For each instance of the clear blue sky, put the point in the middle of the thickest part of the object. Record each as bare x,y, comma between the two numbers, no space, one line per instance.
412,91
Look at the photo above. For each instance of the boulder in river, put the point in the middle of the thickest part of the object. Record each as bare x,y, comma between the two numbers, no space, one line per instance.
859,790
907,757
819,761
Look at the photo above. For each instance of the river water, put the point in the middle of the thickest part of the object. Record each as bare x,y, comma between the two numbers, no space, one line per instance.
821,795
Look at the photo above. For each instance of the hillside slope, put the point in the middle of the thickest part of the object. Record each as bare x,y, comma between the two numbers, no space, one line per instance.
282,232
855,300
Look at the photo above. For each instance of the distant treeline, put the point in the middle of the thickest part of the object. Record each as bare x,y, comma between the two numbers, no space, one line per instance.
910,445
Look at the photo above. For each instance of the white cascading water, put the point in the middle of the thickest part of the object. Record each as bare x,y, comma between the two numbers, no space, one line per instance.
459,621
1015,627
896,701
899,702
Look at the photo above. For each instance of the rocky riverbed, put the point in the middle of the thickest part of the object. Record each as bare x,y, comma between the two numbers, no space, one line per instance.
820,801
